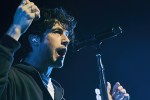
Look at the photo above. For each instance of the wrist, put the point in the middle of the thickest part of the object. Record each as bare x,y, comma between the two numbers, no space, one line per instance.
14,32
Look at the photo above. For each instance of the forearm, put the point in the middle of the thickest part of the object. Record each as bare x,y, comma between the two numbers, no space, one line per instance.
8,47
25,14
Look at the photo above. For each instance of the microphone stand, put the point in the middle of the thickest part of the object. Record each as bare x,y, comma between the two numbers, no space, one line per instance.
102,85
97,38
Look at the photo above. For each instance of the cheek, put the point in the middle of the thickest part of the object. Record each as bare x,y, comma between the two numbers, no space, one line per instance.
50,47
53,41
51,44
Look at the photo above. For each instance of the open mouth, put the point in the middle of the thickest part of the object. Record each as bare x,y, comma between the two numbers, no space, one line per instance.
61,51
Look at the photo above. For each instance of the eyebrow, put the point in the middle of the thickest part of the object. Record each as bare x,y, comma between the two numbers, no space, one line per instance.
57,29
60,29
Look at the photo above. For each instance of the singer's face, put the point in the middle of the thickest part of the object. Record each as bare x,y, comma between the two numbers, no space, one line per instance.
54,46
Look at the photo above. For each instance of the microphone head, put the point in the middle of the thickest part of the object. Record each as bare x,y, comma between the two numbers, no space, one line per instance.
117,30
97,38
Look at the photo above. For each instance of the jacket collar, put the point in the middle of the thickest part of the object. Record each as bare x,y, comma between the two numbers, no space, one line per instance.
29,69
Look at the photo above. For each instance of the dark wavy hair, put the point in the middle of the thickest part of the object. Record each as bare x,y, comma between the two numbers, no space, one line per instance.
47,20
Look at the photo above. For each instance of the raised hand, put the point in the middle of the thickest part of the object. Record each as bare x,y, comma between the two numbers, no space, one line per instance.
26,12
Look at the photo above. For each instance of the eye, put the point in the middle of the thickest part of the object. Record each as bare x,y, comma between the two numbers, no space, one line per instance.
57,31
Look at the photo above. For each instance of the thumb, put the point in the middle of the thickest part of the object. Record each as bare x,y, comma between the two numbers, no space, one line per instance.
108,87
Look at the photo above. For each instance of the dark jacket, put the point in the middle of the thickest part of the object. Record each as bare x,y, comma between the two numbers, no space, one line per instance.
22,81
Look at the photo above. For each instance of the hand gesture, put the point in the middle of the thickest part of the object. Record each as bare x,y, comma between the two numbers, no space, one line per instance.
25,14
118,92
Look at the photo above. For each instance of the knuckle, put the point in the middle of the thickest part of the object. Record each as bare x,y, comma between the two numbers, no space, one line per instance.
32,3
126,94
120,87
35,7
124,90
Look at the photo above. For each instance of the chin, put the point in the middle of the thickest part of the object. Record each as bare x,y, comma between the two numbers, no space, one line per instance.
58,66
59,63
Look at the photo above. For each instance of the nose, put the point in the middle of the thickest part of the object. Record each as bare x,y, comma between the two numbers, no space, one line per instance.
65,40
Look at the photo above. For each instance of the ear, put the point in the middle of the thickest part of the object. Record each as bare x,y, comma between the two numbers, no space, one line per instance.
34,40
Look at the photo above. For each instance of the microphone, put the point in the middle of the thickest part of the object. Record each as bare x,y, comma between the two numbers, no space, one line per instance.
97,38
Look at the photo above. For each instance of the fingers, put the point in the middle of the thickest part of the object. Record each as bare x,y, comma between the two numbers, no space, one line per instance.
119,93
29,5
31,10
37,16
36,12
126,96
24,2
115,87
108,87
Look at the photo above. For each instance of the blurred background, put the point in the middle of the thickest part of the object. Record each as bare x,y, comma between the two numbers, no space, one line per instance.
126,58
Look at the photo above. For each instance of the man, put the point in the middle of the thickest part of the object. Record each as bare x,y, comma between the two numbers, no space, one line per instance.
48,39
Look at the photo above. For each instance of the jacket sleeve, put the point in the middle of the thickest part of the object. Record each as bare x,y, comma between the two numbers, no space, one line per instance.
8,46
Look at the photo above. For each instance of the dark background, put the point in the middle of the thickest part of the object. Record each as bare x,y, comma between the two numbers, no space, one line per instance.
126,57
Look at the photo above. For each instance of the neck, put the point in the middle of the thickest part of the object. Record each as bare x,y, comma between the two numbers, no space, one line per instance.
39,64
45,76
